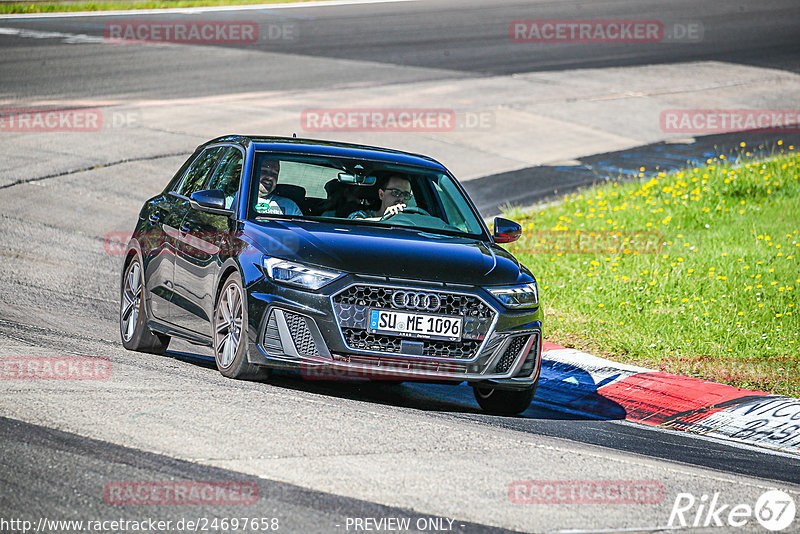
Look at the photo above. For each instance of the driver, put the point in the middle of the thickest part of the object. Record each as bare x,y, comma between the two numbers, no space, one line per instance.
268,201
394,193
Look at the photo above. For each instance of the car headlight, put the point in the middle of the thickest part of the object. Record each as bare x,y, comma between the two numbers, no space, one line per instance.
517,297
297,274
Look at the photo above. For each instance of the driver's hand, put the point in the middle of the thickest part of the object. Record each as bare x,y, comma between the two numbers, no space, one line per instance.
394,210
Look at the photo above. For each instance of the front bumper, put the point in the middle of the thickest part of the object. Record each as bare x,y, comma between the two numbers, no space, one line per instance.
324,334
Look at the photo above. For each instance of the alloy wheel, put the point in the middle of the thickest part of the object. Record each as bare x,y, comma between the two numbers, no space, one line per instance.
228,325
132,299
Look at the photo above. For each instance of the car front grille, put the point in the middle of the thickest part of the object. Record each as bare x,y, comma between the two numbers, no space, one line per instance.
381,297
389,368
272,337
511,353
531,360
363,340
352,306
301,335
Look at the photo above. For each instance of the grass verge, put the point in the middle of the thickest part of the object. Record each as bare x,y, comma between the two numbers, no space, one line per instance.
7,8
695,272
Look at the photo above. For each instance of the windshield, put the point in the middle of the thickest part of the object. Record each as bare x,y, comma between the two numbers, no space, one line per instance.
359,192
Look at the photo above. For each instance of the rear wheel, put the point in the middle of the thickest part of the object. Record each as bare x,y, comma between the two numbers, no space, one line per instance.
230,332
132,317
504,402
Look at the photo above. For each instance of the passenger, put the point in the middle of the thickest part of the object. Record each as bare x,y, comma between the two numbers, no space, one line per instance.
342,199
394,193
268,201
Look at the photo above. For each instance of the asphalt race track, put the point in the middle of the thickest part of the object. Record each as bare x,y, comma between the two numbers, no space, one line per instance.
323,454
442,39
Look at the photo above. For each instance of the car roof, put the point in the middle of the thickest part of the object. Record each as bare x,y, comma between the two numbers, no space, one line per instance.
316,147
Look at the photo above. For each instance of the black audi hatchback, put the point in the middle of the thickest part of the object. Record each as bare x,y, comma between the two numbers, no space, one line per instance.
334,260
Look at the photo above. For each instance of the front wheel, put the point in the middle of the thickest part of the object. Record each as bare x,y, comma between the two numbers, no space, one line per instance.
504,402
132,317
230,332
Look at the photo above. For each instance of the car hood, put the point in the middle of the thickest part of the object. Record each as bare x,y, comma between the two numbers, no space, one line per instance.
394,252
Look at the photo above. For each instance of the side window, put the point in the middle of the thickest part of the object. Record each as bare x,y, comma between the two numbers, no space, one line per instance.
228,175
176,179
197,173
452,215
457,210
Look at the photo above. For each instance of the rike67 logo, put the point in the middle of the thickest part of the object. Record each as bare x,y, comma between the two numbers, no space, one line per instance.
774,510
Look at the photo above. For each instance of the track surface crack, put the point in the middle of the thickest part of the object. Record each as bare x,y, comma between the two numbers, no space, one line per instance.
92,168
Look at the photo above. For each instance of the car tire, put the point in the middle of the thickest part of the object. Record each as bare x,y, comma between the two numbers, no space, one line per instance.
132,315
504,402
230,333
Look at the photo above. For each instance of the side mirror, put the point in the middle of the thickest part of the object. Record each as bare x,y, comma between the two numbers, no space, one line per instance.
210,201
506,231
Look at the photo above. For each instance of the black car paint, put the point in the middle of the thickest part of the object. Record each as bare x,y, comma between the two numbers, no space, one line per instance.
187,253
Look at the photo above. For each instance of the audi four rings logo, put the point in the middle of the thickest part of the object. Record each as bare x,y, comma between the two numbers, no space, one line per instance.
416,301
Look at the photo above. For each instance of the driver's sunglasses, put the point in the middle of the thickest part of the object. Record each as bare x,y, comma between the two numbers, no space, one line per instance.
399,193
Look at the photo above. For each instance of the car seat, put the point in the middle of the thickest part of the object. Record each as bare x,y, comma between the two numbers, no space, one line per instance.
295,193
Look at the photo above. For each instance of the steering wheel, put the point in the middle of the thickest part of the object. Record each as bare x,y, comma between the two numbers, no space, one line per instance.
409,210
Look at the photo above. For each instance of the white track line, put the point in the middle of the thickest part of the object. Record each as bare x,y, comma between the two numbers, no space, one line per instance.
69,38
193,10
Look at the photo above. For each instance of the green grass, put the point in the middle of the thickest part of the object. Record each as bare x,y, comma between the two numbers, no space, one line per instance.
55,7
695,272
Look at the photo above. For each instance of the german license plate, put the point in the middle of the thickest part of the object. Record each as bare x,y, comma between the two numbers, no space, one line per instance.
410,324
